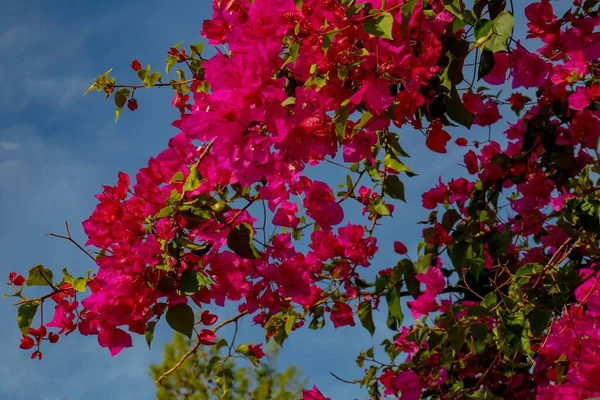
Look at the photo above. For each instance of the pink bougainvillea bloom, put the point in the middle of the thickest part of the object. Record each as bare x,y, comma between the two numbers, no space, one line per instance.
462,142
342,315
286,215
497,76
314,394
207,318
400,248
433,280
256,350
529,69
424,305
485,113
207,337
471,163
437,138
114,338
435,196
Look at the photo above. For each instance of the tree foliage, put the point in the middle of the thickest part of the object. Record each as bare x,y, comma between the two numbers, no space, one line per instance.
194,379
504,285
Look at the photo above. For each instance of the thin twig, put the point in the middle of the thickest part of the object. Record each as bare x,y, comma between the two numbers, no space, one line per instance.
197,345
70,239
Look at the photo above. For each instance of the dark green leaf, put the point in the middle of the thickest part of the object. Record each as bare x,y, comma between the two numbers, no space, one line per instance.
499,242
240,241
456,336
365,314
457,111
180,318
450,218
458,255
166,284
394,187
149,334
192,281
456,7
394,307
479,311
486,63
540,321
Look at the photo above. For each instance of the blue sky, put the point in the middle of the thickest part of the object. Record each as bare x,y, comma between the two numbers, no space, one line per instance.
57,148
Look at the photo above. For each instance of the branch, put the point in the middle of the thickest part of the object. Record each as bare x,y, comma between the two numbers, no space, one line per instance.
197,345
70,239
41,298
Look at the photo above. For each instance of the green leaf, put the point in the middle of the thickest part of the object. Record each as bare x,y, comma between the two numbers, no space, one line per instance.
393,186
177,177
482,31
239,240
489,300
152,79
121,97
25,315
180,318
457,336
393,302
171,61
458,255
327,39
80,284
390,161
407,11
380,208
197,48
479,311
289,323
39,276
365,314
193,180
457,111
149,334
502,27
450,218
540,321
67,277
423,263
292,53
486,64
499,242
166,284
340,118
120,100
142,74
192,281
380,26
456,7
